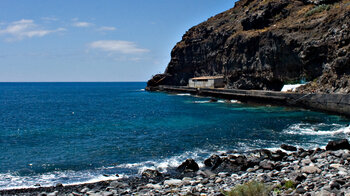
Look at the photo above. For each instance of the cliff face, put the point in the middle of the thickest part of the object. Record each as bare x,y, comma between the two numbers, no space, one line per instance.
263,44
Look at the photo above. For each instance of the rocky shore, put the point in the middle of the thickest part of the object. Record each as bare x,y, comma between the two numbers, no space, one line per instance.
287,171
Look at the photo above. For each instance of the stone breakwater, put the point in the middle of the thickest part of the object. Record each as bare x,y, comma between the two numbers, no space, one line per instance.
331,103
287,171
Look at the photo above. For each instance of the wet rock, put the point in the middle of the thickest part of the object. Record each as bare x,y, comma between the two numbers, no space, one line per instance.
278,155
59,185
213,162
233,164
212,100
265,154
149,173
338,145
188,166
288,147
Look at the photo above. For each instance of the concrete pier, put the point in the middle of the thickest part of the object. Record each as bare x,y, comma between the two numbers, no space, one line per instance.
331,103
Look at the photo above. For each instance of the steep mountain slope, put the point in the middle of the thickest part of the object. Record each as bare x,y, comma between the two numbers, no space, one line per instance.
263,44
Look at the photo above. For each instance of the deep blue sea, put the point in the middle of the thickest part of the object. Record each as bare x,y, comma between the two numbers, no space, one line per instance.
82,132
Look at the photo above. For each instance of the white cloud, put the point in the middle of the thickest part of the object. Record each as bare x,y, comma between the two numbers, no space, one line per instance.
118,46
24,28
82,24
105,28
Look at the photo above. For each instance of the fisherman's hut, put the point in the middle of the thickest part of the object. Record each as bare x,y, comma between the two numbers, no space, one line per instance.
207,82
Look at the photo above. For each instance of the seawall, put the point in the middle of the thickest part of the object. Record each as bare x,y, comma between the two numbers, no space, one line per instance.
331,103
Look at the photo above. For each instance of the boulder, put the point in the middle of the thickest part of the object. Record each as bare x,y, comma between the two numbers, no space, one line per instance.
188,166
149,173
233,164
278,155
288,147
213,162
338,145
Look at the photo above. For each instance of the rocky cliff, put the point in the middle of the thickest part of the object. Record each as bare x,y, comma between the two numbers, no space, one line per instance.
264,44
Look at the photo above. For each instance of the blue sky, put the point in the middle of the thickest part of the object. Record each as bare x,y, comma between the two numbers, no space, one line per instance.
90,40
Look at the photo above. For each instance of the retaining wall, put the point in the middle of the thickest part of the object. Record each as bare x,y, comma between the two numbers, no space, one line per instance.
332,103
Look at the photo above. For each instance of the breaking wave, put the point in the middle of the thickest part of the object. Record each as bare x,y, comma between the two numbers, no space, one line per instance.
317,129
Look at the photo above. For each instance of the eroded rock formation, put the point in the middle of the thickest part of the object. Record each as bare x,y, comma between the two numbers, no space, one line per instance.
264,44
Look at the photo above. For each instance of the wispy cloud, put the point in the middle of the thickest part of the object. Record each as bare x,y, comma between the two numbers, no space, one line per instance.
82,24
118,46
105,28
24,28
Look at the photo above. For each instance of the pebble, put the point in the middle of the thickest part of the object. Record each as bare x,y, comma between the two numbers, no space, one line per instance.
312,175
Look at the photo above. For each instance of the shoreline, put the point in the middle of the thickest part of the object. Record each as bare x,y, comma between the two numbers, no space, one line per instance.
311,172
338,104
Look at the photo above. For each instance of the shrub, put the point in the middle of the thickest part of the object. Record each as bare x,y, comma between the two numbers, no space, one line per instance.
252,188
289,184
318,9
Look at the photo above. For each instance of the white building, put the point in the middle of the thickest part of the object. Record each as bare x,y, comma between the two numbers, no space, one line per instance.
207,82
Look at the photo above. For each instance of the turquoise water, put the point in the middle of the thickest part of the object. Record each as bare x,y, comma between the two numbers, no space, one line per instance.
80,132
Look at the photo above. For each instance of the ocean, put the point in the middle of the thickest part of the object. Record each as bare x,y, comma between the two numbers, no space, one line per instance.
72,133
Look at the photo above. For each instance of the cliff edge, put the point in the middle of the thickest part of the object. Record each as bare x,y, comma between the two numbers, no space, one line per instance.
264,44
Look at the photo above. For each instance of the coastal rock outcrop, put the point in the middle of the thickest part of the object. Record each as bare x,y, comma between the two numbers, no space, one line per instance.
188,166
262,44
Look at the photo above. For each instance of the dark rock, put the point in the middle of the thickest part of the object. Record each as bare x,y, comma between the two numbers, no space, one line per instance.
298,177
265,154
264,44
252,161
59,185
288,147
303,154
278,155
212,100
213,162
262,18
338,145
334,185
188,166
341,181
149,173
233,164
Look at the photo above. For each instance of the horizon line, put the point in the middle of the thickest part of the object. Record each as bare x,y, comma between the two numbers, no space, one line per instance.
65,81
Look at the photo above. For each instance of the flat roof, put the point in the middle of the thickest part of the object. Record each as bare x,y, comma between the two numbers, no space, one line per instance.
207,77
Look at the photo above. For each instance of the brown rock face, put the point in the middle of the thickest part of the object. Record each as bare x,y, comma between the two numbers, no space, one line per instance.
263,44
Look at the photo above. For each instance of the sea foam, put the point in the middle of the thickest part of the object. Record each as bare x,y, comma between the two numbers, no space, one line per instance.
316,129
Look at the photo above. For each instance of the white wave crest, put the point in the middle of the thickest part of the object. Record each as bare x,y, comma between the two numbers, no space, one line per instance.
165,164
318,129
184,94
13,181
201,101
